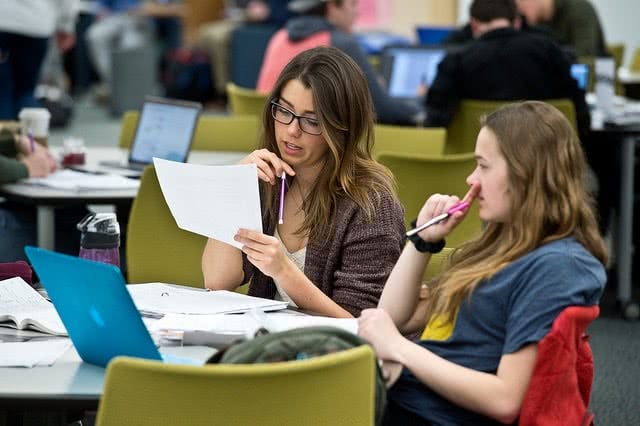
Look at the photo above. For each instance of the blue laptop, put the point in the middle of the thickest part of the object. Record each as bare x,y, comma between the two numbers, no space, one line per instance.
96,308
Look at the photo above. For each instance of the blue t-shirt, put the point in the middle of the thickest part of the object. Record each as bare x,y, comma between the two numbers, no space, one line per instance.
515,307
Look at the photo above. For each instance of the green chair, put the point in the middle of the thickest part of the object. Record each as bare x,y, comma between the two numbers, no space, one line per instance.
227,133
157,250
128,129
420,176
635,61
616,51
409,140
335,389
243,101
437,262
213,132
463,129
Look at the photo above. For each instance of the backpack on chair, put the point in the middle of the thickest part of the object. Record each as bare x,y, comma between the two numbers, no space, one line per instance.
298,344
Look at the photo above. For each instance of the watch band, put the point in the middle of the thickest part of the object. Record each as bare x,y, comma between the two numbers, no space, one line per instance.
424,246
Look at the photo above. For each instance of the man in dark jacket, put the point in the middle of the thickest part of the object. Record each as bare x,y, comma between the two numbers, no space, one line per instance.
502,63
329,23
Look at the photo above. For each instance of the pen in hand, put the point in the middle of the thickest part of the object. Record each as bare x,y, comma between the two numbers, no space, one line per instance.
456,208
31,143
282,184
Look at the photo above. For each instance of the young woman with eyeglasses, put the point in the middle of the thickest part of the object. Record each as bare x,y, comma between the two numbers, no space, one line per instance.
342,228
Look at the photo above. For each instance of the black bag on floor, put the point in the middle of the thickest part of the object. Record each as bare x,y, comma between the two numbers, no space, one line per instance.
186,74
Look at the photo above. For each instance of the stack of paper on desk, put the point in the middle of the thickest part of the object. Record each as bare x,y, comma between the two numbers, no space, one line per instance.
70,180
214,201
32,353
22,307
158,298
248,324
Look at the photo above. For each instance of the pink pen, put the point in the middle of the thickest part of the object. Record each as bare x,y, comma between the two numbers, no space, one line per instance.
456,208
281,213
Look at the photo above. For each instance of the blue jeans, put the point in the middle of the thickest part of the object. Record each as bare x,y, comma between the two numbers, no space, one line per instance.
20,61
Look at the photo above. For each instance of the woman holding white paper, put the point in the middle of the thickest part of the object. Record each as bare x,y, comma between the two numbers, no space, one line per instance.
333,225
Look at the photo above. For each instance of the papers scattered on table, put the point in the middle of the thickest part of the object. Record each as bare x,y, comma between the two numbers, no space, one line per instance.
214,201
30,354
70,180
249,323
158,298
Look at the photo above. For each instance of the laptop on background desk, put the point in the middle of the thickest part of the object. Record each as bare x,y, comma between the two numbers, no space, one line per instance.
96,308
406,68
165,130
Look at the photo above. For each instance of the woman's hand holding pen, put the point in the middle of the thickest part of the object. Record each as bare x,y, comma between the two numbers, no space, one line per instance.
438,204
264,252
270,166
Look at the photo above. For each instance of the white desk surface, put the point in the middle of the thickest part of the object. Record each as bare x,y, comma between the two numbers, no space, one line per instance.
69,378
98,154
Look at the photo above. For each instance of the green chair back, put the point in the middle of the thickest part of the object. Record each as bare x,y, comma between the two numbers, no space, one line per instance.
128,128
157,250
437,262
420,176
635,61
335,389
243,101
227,133
617,53
463,129
213,132
409,140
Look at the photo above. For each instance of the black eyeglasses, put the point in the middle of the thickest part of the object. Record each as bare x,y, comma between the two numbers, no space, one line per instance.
286,116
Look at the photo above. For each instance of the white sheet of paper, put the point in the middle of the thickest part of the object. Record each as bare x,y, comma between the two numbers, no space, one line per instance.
165,299
70,180
214,201
247,323
29,354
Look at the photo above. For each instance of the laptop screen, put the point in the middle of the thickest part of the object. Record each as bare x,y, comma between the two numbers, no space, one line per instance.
580,72
165,130
407,68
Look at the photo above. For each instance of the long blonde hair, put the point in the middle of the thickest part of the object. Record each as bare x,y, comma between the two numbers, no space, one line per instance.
549,201
344,109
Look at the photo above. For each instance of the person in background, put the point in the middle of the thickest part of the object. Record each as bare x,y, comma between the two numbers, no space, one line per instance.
343,225
215,38
503,63
499,294
571,22
25,27
119,24
330,23
20,159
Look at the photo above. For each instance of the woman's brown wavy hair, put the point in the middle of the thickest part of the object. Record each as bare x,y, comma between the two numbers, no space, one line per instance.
344,109
549,201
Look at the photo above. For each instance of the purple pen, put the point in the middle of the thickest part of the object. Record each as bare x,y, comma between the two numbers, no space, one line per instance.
30,136
283,183
456,208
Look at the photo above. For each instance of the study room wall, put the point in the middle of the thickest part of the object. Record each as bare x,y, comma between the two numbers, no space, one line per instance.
620,19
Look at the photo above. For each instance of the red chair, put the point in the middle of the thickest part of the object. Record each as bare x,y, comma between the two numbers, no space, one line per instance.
560,386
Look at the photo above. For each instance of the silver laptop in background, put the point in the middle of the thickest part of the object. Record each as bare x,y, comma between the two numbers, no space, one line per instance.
407,68
165,130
